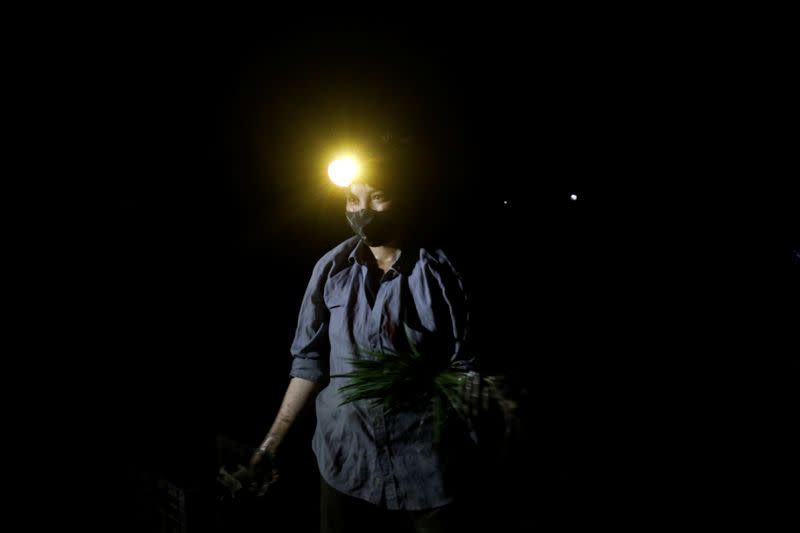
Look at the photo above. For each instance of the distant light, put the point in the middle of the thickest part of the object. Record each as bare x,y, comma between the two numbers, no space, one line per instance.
342,171
573,197
505,202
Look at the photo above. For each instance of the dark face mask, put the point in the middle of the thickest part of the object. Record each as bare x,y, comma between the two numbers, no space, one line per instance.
376,228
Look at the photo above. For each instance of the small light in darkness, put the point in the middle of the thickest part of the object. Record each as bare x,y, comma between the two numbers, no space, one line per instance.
573,197
342,171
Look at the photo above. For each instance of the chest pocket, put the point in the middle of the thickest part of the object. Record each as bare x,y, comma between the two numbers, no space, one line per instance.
338,297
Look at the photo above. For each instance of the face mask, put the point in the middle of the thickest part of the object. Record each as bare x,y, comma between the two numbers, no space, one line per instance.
376,228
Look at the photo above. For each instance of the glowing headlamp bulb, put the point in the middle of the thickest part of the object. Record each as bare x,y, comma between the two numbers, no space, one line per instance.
342,171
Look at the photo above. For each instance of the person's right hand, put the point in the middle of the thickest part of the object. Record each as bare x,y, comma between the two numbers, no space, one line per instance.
262,464
268,449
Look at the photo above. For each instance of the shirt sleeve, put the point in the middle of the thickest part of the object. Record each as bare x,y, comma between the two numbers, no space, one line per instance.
311,346
455,296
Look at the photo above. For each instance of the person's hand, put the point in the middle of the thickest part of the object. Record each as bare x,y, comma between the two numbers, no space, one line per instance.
475,394
268,449
262,466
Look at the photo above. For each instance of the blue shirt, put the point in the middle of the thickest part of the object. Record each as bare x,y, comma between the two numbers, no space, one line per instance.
389,460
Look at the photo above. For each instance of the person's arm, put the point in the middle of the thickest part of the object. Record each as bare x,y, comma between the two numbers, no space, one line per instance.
474,393
298,394
310,350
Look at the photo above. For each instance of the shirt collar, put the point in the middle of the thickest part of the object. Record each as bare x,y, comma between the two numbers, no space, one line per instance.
362,255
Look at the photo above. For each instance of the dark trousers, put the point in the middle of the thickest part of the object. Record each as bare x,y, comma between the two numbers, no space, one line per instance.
340,513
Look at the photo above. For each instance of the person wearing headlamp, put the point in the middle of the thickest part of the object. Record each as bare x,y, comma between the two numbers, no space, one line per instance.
381,290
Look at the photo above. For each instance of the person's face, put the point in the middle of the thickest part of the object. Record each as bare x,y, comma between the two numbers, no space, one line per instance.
363,196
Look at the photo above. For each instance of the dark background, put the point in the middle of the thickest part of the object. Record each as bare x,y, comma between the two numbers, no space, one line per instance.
644,327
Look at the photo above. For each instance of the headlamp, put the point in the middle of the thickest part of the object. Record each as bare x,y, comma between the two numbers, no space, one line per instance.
343,171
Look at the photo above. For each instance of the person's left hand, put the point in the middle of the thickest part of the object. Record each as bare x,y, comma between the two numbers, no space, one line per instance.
475,394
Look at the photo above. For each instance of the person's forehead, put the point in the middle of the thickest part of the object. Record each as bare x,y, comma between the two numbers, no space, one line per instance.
363,188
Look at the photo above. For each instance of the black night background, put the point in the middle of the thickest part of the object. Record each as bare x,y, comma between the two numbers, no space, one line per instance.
642,323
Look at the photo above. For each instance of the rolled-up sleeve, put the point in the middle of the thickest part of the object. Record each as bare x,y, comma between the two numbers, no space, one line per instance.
311,346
